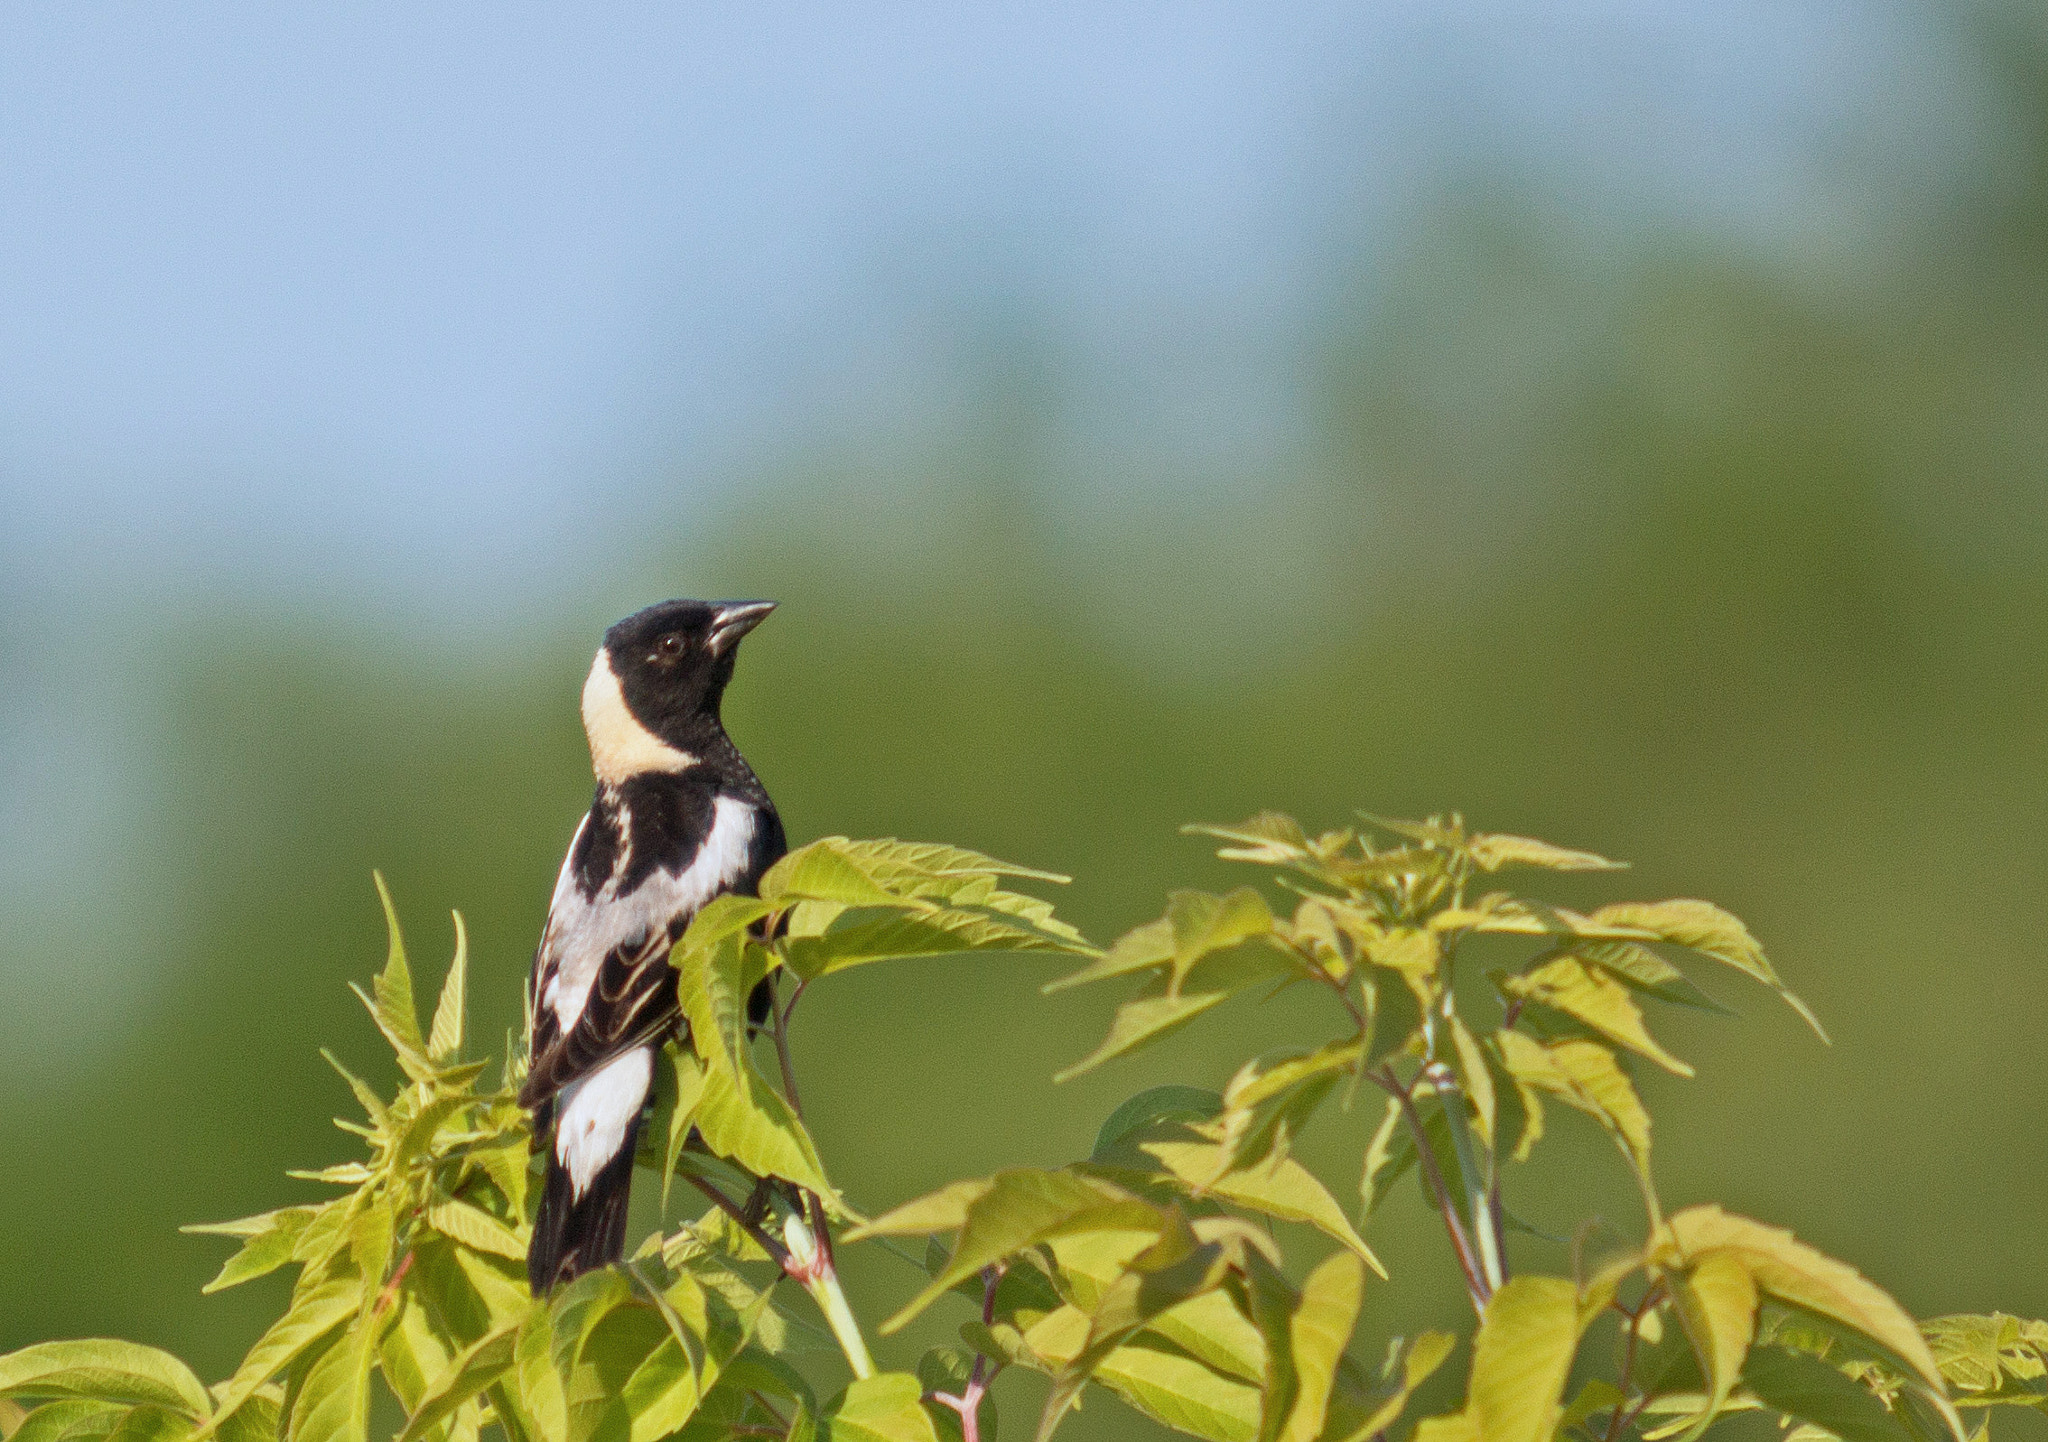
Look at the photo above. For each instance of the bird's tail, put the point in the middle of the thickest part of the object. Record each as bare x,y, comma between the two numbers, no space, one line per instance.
573,1235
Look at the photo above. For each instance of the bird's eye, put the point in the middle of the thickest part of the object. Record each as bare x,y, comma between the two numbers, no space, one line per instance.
668,647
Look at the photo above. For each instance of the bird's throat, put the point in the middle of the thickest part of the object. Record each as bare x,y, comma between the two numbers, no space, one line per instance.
620,746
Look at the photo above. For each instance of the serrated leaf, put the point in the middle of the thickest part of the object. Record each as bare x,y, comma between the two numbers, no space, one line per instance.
1521,1357
881,1408
393,1008
1493,852
535,1381
577,1308
1278,1187
1146,1018
708,989
1270,838
1793,1272
750,1123
1181,1393
333,1402
821,871
471,1370
1475,1078
1584,1075
311,1316
1704,927
151,1424
938,932
113,1371
1139,949
1593,997
271,1238
1716,1304
942,1211
444,1038
1022,1208
474,1227
1641,969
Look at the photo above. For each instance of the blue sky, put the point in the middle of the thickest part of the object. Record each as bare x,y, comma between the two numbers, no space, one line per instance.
428,299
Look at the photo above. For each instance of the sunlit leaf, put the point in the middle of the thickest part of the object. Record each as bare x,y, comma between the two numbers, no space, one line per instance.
112,1371
1792,1272
1716,1303
444,1038
74,1419
1155,1104
333,1402
1320,1330
1704,927
1521,1357
881,1408
1582,1074
271,1238
1146,1018
471,1370
942,1211
1278,1187
1492,853
474,1227
748,1121
1596,999
1022,1208
1182,1393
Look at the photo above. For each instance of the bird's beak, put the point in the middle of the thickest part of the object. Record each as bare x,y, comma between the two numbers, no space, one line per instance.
733,619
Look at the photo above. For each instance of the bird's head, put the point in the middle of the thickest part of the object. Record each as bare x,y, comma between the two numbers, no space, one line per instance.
655,686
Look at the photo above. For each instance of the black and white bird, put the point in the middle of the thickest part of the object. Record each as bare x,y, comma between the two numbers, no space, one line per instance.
679,818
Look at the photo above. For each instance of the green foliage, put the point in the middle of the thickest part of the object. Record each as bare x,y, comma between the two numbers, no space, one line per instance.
1151,1270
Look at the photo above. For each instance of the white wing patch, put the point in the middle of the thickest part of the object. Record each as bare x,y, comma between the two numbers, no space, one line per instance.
580,933
595,1112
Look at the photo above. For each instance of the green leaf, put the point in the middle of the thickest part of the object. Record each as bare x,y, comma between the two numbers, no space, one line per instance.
444,1039
333,1403
311,1316
889,859
1584,1075
1641,969
1716,1305
472,1369
881,1408
1424,1355
393,1010
74,1419
1704,927
689,1091
1809,1390
1591,996
1146,1018
1521,1358
576,1310
749,1122
1319,1331
1155,1104
474,1227
109,1370
535,1381
1270,838
942,1211
1792,1272
868,937
151,1424
1492,853
1278,1187
271,1238
1022,1208
708,987
821,871
1181,1393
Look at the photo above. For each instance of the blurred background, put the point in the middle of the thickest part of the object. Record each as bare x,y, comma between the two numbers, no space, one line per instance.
1623,423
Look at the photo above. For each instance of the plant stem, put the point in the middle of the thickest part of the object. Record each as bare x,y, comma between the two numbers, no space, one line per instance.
821,1280
1451,1097
968,1402
1433,1178
777,1253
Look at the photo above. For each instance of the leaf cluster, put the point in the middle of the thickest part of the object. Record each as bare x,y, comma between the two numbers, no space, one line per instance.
1151,1270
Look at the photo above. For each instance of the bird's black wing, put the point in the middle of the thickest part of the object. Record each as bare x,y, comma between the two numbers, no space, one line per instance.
632,1002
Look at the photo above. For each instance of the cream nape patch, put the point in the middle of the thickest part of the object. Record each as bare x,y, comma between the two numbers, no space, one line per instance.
619,745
